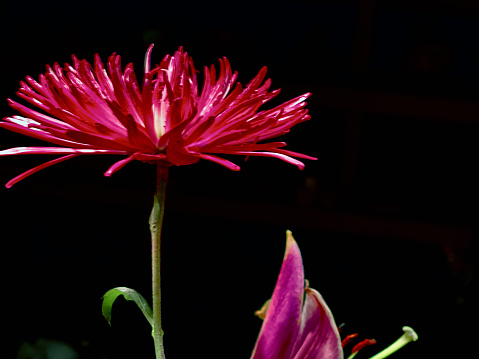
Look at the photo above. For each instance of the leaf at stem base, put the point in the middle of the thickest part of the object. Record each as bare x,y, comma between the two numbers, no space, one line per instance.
129,294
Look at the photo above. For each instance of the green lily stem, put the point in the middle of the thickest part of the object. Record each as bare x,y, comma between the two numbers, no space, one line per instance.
156,223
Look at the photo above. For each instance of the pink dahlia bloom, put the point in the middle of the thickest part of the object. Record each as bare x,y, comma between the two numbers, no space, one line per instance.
88,110
298,323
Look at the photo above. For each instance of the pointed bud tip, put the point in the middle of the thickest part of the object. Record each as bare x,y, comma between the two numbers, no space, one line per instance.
289,237
291,245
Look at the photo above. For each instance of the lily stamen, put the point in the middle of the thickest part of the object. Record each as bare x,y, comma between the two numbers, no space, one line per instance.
361,345
348,339
408,336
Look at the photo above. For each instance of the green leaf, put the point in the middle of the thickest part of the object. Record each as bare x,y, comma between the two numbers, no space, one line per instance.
129,294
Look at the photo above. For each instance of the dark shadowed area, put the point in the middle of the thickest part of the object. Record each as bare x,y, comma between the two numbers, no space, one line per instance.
386,218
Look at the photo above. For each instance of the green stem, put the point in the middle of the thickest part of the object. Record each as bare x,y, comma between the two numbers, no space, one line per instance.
156,223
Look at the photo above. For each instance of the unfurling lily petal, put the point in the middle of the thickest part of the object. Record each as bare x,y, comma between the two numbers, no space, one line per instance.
298,323
92,110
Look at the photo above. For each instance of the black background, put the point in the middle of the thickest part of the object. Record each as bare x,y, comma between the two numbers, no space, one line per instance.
385,219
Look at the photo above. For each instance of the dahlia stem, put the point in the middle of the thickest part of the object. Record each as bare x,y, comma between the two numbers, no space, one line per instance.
156,223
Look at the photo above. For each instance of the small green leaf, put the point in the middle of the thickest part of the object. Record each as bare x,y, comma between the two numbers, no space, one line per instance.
129,294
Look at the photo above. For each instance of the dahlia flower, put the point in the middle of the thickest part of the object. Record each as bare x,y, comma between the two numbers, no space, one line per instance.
298,323
89,110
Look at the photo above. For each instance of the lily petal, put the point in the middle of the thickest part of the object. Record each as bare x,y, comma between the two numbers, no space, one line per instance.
319,336
282,322
290,329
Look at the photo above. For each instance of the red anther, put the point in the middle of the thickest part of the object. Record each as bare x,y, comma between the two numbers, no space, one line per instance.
363,344
348,339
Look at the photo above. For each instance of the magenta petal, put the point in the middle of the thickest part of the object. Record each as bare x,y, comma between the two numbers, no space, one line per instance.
58,151
36,169
120,164
285,158
319,336
220,161
282,322
39,134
